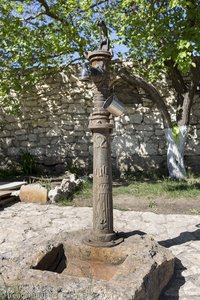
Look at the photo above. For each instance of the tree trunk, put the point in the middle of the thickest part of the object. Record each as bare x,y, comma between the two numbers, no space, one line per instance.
175,153
185,96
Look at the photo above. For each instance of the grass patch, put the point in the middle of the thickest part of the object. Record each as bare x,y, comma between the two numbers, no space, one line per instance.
158,188
64,201
194,211
152,204
164,188
151,188
85,191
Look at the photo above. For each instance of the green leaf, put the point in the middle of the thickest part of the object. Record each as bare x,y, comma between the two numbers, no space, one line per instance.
176,133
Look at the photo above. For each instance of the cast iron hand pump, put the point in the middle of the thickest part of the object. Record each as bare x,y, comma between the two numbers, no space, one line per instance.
101,125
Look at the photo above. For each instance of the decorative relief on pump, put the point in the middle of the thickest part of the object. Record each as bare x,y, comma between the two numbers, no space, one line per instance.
102,211
101,141
100,119
100,124
101,172
104,187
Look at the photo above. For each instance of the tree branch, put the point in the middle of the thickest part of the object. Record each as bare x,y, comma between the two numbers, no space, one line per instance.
51,14
179,86
98,3
176,77
195,72
151,90
189,96
32,17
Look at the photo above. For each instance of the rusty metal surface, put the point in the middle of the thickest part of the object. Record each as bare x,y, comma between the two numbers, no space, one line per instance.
101,125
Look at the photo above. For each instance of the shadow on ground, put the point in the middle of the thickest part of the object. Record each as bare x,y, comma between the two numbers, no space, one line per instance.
182,238
171,291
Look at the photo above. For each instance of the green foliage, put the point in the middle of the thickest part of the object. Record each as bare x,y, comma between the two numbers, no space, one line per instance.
37,36
27,162
9,173
43,180
176,133
152,204
158,31
63,201
85,190
194,211
74,167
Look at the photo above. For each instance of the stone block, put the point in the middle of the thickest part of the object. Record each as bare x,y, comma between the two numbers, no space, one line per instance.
32,137
37,151
10,126
33,193
27,144
20,132
151,149
76,109
152,119
32,103
159,132
144,127
12,151
9,118
139,269
125,119
78,127
8,142
136,118
53,132
43,123
22,138
44,141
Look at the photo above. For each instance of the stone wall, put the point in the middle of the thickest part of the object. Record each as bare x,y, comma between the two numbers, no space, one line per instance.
53,121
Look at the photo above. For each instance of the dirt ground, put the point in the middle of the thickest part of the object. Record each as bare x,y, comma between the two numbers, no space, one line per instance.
157,205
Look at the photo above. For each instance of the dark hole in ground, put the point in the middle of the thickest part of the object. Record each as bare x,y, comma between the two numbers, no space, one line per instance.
53,261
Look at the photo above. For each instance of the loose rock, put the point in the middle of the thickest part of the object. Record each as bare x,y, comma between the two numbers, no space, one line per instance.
34,193
66,189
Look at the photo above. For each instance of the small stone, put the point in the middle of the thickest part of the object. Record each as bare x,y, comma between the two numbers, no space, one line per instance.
34,193
54,195
66,189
